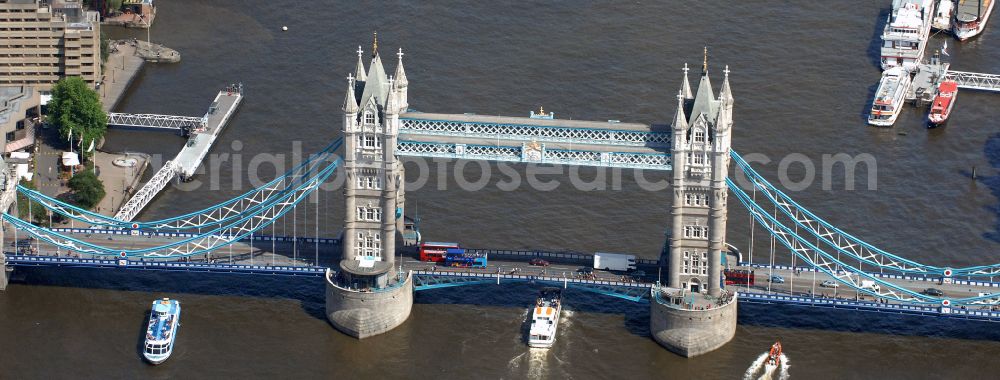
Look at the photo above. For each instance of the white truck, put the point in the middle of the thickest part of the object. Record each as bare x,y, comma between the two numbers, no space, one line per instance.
614,261
870,285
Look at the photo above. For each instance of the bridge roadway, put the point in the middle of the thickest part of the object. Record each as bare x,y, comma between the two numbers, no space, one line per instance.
802,284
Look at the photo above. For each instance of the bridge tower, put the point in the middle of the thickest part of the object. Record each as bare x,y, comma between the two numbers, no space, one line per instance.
694,314
367,296
702,135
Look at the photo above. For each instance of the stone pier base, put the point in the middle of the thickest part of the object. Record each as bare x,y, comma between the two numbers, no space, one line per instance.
362,314
4,273
691,332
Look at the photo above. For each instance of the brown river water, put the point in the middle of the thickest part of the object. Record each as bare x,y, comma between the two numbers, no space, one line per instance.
803,74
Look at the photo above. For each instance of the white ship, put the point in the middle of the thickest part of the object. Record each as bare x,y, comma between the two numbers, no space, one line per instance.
889,97
545,318
942,15
905,35
161,333
971,17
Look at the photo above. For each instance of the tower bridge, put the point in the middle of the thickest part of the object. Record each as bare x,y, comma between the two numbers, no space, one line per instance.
370,283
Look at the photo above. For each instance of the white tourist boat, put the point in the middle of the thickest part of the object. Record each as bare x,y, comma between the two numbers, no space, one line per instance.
545,318
971,17
889,97
164,320
942,15
905,35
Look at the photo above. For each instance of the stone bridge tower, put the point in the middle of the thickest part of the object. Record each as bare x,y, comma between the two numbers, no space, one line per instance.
374,186
702,133
367,296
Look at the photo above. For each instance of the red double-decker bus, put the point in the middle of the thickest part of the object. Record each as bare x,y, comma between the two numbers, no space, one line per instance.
738,277
435,251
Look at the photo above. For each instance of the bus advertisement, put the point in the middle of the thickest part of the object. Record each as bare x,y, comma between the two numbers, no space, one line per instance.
435,251
457,257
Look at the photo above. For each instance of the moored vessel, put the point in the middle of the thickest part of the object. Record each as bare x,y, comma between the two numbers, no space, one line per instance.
971,17
942,15
545,318
889,97
943,103
164,320
905,35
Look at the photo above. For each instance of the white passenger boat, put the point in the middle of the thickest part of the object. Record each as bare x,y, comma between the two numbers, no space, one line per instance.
905,35
164,320
889,97
545,318
942,15
971,17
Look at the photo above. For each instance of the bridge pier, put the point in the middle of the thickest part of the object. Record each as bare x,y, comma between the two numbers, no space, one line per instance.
688,331
364,312
4,270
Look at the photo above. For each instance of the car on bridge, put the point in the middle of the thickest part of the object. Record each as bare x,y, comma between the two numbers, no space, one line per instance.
538,262
829,284
777,279
933,292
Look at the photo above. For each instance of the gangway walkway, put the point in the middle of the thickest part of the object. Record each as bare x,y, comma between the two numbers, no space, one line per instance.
153,121
190,157
974,81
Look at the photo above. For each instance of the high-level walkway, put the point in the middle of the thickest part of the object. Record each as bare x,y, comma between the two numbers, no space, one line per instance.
530,140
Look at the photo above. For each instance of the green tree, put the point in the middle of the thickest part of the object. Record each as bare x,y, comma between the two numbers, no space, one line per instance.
77,111
39,215
105,48
88,190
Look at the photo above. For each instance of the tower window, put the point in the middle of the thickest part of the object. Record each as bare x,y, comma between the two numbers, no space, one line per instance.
699,136
369,118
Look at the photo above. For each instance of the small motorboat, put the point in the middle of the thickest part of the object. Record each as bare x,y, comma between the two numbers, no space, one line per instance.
774,356
943,103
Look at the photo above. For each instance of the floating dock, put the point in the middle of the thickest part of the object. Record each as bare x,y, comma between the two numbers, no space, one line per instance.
190,157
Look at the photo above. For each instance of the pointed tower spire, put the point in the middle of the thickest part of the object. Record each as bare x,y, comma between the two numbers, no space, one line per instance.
680,119
359,72
350,103
375,44
686,84
726,94
392,102
704,62
400,73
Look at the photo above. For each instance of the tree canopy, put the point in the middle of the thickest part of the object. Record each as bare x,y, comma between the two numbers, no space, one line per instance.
76,110
88,190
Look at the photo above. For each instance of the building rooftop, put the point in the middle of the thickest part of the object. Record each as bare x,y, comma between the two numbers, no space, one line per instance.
11,99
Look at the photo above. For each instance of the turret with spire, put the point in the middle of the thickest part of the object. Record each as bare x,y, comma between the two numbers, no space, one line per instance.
359,72
701,146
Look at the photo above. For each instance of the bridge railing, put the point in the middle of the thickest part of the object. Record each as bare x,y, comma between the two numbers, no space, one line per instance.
528,277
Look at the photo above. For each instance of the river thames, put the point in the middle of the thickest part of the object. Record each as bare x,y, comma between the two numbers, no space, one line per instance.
802,73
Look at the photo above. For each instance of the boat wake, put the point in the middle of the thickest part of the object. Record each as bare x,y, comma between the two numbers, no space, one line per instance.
759,370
